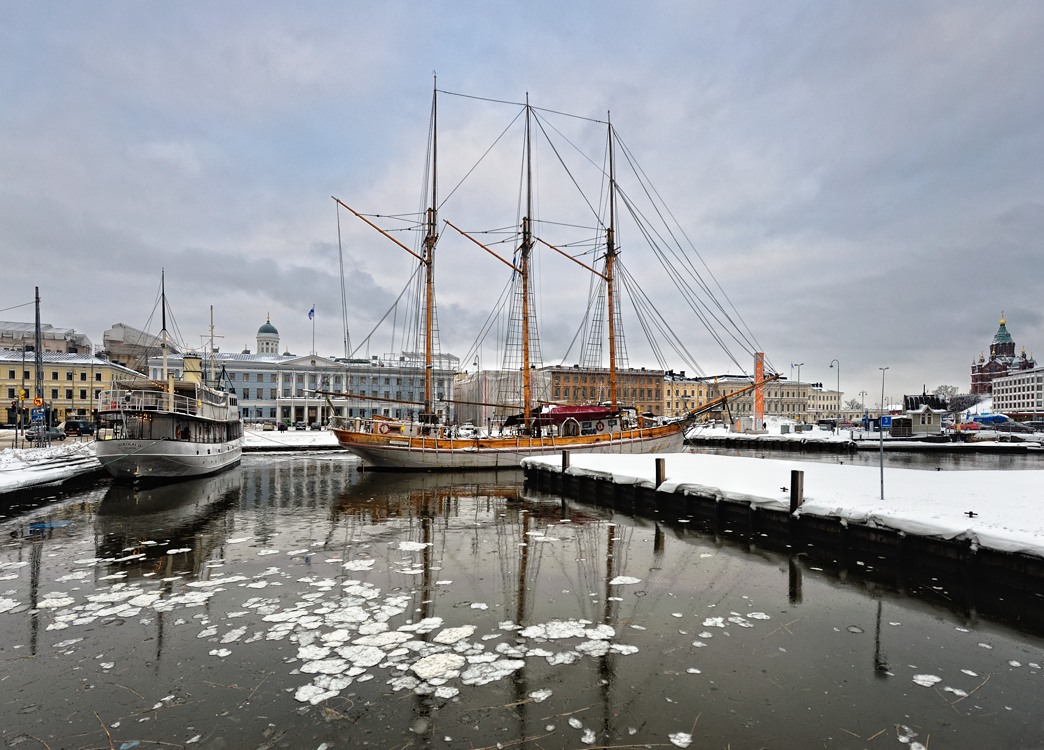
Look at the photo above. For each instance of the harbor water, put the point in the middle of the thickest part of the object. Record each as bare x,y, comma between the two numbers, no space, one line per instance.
297,602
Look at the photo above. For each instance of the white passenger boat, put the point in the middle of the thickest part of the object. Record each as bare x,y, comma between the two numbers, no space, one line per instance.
171,427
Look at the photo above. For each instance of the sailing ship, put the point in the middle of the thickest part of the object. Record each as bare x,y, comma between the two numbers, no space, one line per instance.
539,427
170,427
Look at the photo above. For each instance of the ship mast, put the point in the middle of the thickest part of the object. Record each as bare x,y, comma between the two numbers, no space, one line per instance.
526,248
430,238
610,261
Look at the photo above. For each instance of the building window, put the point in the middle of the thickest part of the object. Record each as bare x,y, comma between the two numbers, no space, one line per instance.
83,394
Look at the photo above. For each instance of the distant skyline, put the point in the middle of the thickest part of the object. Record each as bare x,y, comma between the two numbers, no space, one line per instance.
865,181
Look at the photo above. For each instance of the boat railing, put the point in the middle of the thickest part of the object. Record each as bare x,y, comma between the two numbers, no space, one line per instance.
151,400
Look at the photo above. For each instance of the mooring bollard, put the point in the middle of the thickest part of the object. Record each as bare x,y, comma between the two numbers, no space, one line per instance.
565,461
797,489
661,471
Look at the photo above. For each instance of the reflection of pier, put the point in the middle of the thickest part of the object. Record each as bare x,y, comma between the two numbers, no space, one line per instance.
138,528
970,582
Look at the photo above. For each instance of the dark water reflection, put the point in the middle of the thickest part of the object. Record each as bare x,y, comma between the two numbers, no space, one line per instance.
211,613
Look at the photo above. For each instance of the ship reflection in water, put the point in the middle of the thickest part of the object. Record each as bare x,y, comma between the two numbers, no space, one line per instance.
297,602
165,527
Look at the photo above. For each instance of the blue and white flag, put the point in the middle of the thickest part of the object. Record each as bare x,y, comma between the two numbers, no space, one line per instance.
311,313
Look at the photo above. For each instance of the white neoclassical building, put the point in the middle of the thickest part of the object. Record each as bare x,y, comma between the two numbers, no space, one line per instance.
291,388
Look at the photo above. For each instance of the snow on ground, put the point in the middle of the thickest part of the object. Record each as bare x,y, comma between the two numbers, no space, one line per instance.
30,467
1005,504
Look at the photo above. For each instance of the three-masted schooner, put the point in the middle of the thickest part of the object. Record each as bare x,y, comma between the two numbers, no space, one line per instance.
426,443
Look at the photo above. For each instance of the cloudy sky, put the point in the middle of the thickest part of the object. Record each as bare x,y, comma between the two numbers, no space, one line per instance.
865,180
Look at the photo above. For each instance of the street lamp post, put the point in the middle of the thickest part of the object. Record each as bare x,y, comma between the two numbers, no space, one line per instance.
832,363
800,404
880,428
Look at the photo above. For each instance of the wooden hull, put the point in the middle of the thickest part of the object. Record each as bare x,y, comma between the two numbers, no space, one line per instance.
446,454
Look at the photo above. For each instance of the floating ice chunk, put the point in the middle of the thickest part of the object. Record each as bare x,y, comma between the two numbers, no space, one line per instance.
325,666
758,616
233,635
680,739
383,640
588,737
443,583
220,652
263,552
624,580
426,625
956,691
600,632
55,601
179,550
359,565
435,666
926,680
238,540
313,694
555,630
593,648
216,581
713,622
565,657
539,696
362,656
481,674
479,605
575,723
453,635
970,673
623,648
445,693
312,653
413,546
693,670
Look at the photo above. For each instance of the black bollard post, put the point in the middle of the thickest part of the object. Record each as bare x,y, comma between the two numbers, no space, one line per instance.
661,471
797,489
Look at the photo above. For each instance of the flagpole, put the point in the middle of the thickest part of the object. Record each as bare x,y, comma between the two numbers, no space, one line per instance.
312,316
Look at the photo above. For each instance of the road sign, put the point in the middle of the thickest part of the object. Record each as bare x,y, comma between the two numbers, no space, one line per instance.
37,401
35,414
886,423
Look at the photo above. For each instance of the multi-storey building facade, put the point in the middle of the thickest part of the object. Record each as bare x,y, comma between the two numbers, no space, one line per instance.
71,384
1021,395
639,388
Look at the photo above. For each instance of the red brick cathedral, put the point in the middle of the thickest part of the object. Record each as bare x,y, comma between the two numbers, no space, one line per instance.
1003,361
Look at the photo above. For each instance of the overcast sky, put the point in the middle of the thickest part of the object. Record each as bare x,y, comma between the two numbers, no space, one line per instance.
864,179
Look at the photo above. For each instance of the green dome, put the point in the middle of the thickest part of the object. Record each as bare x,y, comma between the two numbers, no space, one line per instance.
267,327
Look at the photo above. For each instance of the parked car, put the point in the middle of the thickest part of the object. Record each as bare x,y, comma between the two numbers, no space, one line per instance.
37,433
970,426
78,427
316,426
1036,425
1012,426
268,426
300,426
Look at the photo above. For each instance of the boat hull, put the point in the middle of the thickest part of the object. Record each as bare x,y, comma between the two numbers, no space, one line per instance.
137,459
444,454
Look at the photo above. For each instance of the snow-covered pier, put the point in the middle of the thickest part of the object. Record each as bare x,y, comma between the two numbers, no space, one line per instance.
982,527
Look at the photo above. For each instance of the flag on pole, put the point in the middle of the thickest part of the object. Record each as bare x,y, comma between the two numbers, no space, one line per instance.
311,313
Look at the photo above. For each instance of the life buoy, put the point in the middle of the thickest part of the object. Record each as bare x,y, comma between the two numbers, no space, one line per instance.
385,429
112,405
599,427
